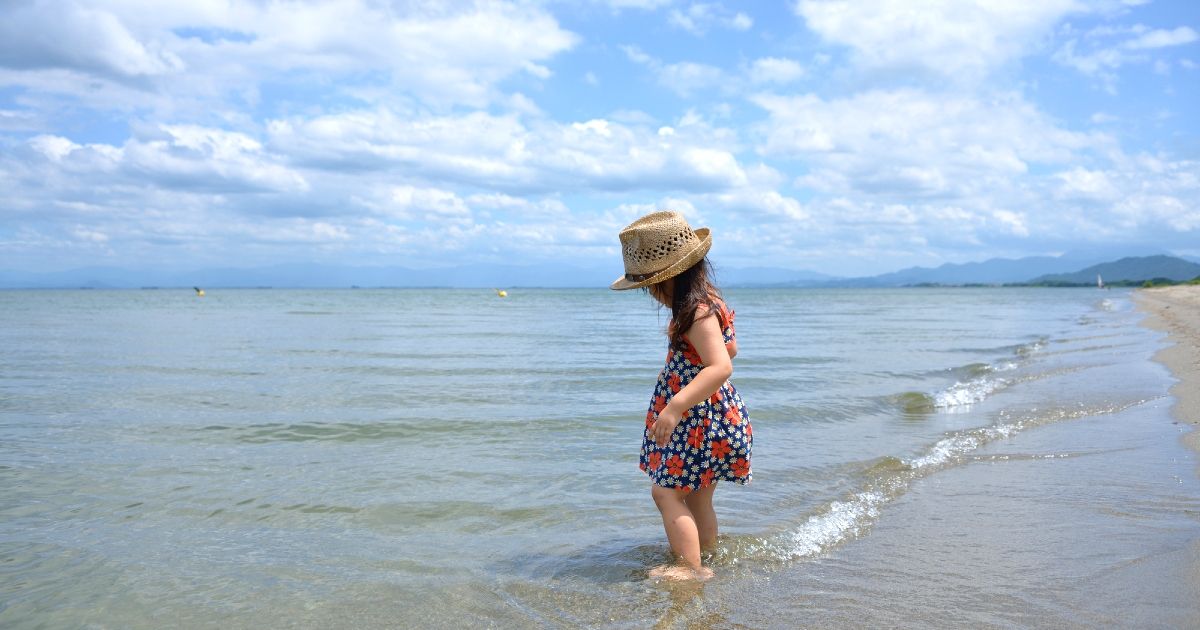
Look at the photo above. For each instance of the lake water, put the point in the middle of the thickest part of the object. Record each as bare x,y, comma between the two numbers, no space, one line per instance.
448,458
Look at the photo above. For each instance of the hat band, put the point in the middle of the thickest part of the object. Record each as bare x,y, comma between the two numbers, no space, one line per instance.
638,277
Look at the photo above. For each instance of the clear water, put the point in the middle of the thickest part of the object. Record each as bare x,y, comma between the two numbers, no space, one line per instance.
418,458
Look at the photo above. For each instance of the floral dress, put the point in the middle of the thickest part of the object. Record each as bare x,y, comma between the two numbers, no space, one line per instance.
712,441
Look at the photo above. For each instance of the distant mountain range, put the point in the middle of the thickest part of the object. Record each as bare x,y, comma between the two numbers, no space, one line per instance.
994,271
1074,268
1069,268
1128,270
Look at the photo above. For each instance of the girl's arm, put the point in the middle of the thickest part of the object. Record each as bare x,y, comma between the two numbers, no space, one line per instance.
705,336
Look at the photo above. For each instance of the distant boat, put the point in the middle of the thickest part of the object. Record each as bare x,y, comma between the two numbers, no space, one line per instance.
199,291
1100,282
501,292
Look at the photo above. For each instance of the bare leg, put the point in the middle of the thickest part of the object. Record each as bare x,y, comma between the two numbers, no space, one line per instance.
681,529
699,502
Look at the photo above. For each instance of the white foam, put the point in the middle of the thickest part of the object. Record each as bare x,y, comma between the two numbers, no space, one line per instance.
954,446
845,519
854,516
961,394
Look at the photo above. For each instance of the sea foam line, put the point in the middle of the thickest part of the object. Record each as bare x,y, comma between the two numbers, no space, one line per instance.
840,521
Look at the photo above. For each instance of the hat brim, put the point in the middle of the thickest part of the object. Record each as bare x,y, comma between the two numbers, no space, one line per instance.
683,264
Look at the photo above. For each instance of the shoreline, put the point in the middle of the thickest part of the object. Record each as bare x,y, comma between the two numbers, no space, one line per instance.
1175,310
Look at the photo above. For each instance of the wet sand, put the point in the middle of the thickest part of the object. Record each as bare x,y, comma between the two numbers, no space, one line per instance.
1176,311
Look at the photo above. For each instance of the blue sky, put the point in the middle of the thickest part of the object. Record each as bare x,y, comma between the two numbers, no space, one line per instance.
847,137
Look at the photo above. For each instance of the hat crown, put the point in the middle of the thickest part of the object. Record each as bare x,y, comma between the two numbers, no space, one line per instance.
656,240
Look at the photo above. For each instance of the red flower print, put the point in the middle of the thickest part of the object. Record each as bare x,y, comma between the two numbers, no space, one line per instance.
749,431
650,419
692,356
660,403
720,448
740,467
683,489
707,478
674,383
675,466
655,460
732,416
715,398
696,438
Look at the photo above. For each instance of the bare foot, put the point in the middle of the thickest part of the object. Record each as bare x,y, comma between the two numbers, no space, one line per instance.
680,573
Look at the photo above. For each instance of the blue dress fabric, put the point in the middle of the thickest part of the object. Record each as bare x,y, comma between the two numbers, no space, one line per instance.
713,440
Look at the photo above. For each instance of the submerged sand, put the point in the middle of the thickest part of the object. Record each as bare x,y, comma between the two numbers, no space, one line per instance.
1176,311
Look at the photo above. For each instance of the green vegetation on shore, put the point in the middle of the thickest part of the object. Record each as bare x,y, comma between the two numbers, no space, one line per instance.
1165,282
1145,284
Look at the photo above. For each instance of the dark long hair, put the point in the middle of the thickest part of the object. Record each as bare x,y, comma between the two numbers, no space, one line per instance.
691,289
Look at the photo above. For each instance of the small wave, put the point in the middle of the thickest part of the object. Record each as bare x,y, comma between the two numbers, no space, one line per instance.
1029,349
915,402
962,394
977,385
852,516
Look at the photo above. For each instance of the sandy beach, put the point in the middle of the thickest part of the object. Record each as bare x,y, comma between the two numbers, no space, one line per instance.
1176,311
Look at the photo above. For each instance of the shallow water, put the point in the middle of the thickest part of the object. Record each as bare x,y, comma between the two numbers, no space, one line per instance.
416,458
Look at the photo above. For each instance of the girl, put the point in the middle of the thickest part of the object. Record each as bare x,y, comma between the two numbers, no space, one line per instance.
697,428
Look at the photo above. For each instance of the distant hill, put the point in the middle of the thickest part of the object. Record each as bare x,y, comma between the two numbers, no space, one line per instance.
993,271
1133,269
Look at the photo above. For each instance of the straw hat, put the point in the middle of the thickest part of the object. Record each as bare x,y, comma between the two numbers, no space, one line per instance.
659,246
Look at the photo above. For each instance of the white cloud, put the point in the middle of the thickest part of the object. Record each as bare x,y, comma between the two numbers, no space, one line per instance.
546,208
685,77
908,143
410,202
502,153
177,157
699,17
191,156
1161,38
951,171
1082,183
443,54
1013,221
1099,54
957,38
775,70
84,234
645,5
45,35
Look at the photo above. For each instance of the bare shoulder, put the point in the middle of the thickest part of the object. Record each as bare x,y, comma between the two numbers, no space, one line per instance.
718,308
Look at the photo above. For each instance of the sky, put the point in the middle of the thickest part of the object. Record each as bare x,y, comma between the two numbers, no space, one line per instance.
848,137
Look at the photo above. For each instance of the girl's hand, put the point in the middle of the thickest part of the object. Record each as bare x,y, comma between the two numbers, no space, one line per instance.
667,420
